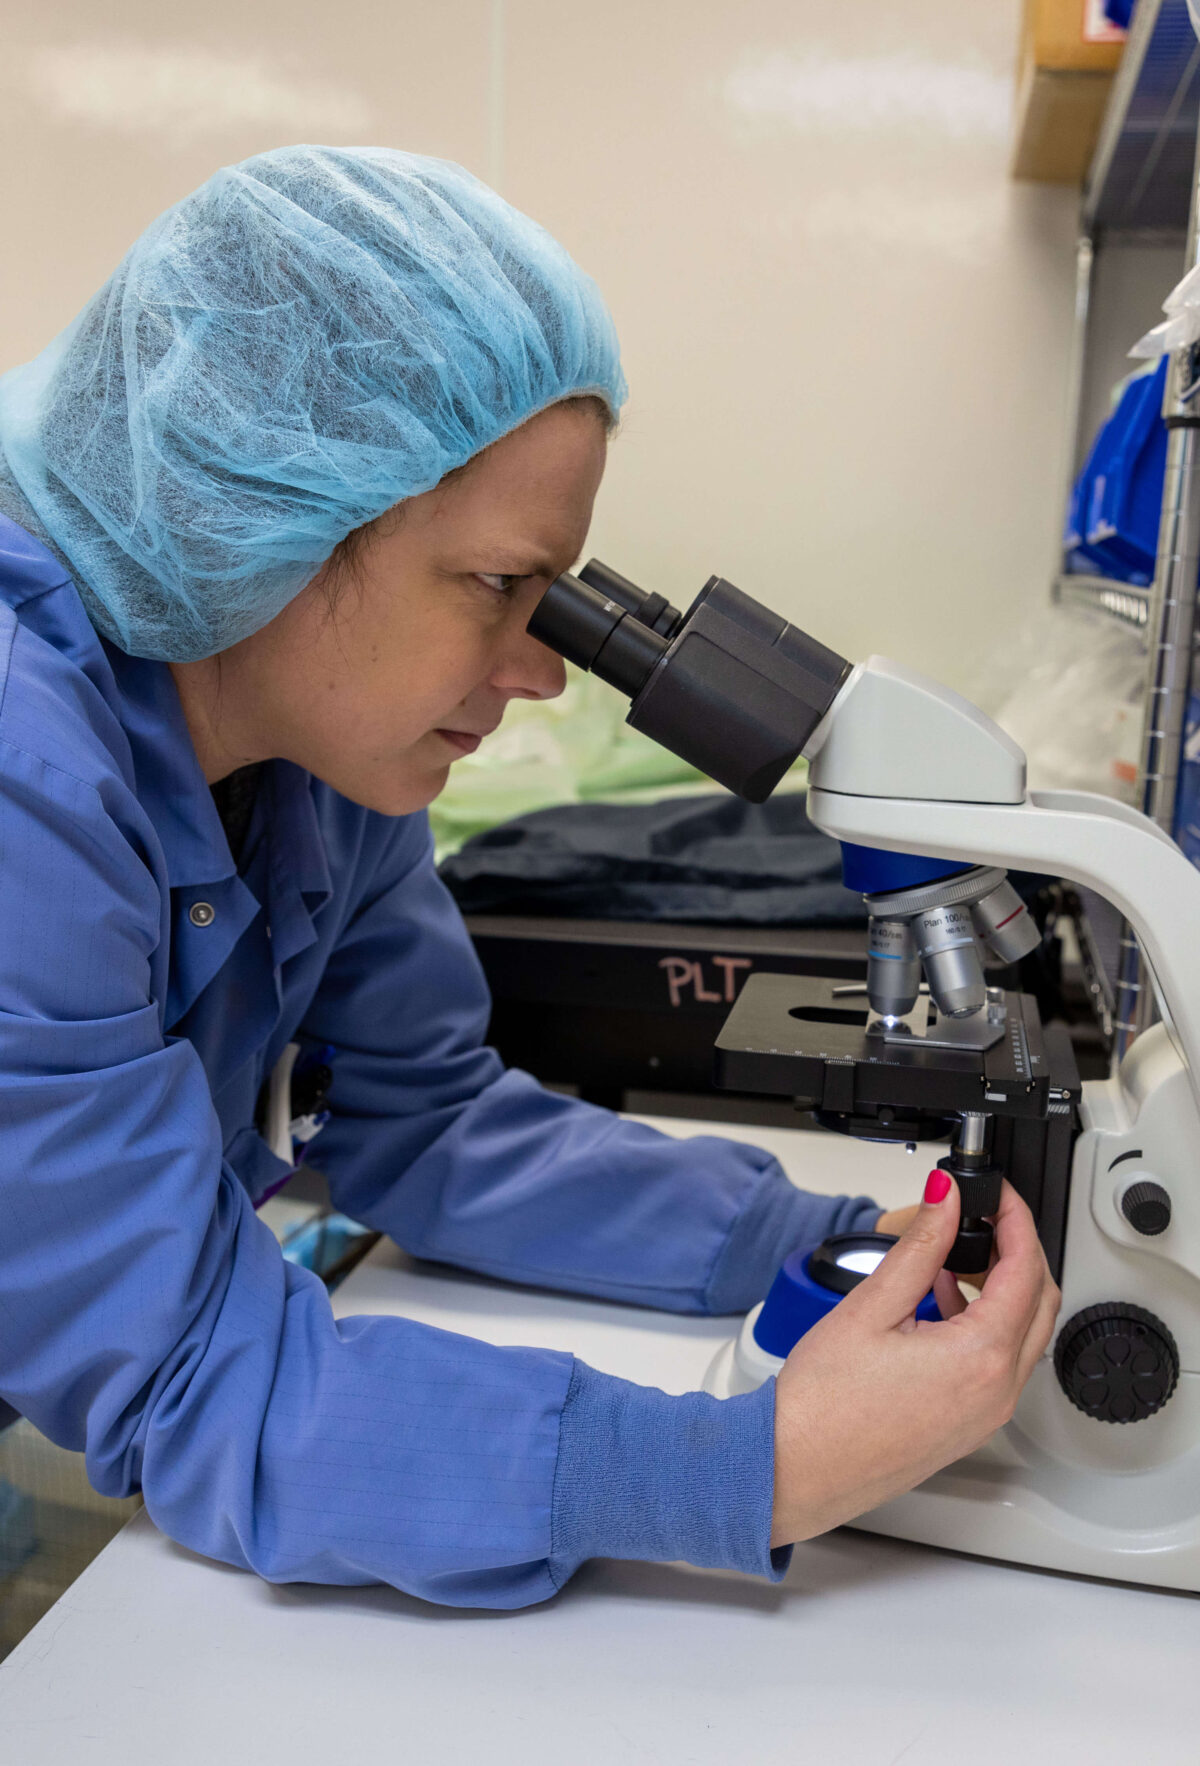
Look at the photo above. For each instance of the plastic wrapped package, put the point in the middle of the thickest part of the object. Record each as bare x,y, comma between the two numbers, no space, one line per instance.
1181,327
1069,688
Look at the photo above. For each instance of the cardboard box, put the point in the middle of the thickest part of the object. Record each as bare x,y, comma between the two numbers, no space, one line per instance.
1070,36
1069,53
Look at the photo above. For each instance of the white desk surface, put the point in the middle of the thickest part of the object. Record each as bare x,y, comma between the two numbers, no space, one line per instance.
871,1653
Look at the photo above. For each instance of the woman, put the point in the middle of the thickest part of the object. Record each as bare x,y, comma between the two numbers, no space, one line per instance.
279,504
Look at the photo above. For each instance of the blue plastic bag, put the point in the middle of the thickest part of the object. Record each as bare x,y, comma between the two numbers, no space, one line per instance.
1113,516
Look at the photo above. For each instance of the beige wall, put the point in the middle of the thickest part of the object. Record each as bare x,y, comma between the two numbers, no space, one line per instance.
845,330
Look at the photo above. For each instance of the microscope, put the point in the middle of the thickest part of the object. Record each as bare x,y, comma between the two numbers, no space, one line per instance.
1099,1470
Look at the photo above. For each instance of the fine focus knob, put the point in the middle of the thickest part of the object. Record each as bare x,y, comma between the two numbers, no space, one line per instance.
1147,1208
1116,1362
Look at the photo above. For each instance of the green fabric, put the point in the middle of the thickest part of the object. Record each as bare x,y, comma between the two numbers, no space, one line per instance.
574,749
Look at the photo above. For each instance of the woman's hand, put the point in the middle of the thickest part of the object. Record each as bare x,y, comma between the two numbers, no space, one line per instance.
897,1220
870,1402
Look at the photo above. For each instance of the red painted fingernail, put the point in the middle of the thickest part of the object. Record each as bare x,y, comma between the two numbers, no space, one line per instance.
937,1186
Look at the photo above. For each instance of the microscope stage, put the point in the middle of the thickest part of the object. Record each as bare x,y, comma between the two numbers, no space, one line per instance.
804,1037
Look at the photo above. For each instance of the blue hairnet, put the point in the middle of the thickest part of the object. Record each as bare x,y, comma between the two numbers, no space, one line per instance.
307,339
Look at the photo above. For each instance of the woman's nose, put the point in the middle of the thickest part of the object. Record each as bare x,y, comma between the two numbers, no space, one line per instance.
530,670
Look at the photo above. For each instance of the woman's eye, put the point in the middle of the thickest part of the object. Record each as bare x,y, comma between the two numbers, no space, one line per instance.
502,585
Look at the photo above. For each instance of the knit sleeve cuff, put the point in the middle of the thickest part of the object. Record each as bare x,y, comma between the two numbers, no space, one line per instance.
644,1475
777,1220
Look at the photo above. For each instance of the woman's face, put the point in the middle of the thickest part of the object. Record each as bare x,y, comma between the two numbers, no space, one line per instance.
376,679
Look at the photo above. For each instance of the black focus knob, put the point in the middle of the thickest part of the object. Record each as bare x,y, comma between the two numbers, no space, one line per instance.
1147,1208
979,1195
1116,1362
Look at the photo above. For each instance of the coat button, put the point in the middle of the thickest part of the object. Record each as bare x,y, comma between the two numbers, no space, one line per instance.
202,913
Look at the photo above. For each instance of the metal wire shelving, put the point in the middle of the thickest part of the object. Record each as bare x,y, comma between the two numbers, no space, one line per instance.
1142,186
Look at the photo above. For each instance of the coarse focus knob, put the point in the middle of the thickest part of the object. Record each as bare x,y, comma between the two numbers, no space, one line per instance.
1147,1208
1116,1362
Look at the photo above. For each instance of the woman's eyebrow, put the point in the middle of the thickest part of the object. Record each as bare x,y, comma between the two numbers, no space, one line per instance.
521,563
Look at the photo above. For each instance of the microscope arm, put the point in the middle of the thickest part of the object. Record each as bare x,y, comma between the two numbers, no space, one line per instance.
892,765
896,761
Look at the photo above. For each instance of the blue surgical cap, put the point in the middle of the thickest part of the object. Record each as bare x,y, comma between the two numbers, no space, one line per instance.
306,340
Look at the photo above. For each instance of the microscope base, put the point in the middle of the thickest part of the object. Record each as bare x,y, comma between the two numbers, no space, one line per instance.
1012,1501
1057,1488
1009,1502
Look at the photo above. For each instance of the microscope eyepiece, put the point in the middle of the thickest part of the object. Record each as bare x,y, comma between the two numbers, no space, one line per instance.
597,633
647,608
729,686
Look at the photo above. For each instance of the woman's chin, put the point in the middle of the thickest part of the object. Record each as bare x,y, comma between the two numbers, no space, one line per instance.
395,794
406,800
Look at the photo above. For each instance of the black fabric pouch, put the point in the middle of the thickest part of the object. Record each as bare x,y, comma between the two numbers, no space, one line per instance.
713,860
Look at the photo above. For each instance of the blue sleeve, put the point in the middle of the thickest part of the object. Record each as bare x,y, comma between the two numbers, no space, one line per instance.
434,1142
148,1319
642,1475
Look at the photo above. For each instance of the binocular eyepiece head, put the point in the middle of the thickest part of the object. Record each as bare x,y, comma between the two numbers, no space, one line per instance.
729,686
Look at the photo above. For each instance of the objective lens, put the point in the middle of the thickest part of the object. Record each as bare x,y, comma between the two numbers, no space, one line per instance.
1006,923
893,968
946,940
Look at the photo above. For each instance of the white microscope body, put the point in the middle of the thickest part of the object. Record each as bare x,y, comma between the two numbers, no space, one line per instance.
903,764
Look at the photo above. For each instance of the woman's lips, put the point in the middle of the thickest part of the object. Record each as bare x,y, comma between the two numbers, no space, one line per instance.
465,741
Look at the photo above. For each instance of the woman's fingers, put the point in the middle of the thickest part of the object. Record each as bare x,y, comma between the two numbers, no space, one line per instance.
1019,1302
897,1220
1040,1331
866,1406
1021,1299
1015,1283
892,1294
947,1294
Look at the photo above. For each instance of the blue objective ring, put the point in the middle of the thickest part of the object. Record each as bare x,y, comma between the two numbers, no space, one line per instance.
871,871
799,1297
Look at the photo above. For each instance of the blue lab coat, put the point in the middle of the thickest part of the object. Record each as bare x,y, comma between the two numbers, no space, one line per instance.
147,1316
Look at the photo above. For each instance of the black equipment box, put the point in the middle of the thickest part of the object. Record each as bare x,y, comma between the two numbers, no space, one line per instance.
612,1006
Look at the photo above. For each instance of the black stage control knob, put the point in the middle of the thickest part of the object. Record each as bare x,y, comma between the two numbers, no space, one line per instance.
1116,1362
1147,1208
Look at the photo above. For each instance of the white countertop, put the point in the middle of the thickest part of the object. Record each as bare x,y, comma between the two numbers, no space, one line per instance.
871,1653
